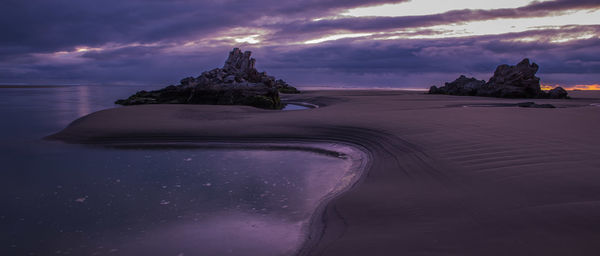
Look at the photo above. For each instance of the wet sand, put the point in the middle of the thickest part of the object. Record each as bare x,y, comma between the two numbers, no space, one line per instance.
450,175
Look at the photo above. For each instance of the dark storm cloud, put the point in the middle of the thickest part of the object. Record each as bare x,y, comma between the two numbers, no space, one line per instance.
44,26
446,55
416,63
354,62
41,25
123,53
141,41
60,25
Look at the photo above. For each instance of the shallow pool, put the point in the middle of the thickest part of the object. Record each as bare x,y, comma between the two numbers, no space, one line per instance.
166,199
153,199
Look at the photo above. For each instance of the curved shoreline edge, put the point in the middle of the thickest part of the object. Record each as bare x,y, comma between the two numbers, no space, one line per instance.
318,219
442,180
359,156
325,215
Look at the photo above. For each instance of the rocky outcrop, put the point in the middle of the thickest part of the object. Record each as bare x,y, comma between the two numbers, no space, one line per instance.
283,87
517,81
237,83
461,86
513,82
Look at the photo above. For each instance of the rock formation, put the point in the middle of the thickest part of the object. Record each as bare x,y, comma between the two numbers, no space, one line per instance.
237,83
534,105
461,86
558,93
508,82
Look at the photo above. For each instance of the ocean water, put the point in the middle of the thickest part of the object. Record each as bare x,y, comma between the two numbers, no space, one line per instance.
159,199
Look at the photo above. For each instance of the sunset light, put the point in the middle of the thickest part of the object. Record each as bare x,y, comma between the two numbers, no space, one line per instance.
582,87
427,7
300,128
402,44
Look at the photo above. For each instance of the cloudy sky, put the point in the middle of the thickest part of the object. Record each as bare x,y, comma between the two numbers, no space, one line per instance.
352,43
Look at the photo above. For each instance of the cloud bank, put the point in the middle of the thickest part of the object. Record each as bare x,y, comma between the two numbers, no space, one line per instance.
308,43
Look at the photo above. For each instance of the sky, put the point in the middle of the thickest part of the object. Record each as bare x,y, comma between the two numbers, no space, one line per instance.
325,43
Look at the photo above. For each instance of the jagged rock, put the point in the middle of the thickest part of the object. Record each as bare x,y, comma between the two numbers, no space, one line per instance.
237,83
239,62
283,87
513,82
517,81
460,86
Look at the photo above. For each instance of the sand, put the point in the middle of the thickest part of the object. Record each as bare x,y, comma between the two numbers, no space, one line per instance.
450,175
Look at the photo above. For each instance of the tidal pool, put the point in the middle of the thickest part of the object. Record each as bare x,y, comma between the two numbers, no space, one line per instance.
154,199
169,199
291,106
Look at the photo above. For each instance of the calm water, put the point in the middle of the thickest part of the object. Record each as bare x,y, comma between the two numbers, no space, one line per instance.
291,106
61,199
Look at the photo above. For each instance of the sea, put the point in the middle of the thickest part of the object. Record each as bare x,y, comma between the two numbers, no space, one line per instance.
181,199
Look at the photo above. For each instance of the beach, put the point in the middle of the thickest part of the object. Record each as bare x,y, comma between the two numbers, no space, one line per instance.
448,175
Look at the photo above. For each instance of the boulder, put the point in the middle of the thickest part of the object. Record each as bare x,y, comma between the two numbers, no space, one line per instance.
558,93
237,83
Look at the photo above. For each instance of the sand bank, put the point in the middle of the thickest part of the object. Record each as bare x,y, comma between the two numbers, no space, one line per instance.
446,178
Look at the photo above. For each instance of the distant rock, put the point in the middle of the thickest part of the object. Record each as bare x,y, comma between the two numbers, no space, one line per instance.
534,105
558,93
517,81
237,83
461,86
513,82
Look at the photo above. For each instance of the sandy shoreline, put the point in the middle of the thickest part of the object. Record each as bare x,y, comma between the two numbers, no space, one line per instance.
445,179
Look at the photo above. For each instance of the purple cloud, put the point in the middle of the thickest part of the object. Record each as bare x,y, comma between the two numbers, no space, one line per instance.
159,42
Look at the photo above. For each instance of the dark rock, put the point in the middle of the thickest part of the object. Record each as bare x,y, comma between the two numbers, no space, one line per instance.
513,82
517,81
525,104
188,81
434,90
229,79
558,93
544,106
237,83
533,105
461,86
283,87
239,62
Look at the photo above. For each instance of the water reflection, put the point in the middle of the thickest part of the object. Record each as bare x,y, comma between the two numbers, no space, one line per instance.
84,106
290,106
37,111
298,106
169,201
228,234
60,199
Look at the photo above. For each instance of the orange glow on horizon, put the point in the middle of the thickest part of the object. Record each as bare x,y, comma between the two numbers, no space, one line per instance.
582,87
